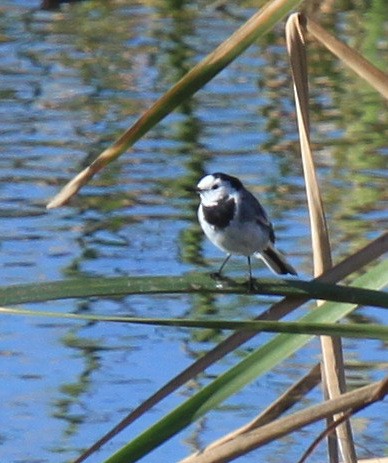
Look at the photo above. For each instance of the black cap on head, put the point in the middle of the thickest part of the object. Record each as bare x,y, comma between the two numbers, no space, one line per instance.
234,181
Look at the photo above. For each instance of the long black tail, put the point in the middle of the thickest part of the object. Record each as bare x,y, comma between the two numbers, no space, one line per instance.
275,261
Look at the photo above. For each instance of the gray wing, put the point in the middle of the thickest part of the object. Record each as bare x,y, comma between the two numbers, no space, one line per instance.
251,209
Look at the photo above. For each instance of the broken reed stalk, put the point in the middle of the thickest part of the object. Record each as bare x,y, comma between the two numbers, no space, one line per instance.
352,58
333,365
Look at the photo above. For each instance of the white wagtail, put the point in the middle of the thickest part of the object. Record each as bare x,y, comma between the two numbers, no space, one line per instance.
234,220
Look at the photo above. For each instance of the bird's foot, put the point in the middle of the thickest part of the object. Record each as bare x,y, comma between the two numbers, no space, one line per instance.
216,276
220,279
252,285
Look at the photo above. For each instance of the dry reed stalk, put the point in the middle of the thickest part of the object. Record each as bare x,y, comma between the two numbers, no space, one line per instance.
333,365
351,402
276,408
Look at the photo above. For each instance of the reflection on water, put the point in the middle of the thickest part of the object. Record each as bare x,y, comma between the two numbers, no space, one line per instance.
71,81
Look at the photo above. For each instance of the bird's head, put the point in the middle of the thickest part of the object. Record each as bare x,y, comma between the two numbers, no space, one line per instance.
216,187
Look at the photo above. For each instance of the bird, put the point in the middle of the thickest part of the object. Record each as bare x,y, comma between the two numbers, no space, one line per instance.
233,220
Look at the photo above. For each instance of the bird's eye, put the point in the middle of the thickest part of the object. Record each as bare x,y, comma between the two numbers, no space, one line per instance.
214,187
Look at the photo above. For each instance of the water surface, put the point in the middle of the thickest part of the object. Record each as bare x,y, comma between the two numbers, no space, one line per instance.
71,81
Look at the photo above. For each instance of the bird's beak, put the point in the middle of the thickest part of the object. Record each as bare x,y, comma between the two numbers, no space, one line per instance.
192,189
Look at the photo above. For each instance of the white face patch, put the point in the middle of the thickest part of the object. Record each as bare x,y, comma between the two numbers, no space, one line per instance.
213,189
206,183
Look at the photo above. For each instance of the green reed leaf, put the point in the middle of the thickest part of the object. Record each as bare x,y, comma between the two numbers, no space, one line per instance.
259,362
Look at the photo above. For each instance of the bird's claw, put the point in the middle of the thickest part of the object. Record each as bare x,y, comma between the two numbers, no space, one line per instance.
252,286
221,280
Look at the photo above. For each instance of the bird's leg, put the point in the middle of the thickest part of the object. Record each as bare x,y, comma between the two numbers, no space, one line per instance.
223,264
251,281
218,276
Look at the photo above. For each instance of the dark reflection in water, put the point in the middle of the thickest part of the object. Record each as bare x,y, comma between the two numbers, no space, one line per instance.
55,4
71,81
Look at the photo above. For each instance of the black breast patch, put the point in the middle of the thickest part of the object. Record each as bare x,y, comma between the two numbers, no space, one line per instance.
221,214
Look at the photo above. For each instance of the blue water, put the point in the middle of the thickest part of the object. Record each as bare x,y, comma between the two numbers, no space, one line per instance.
71,81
